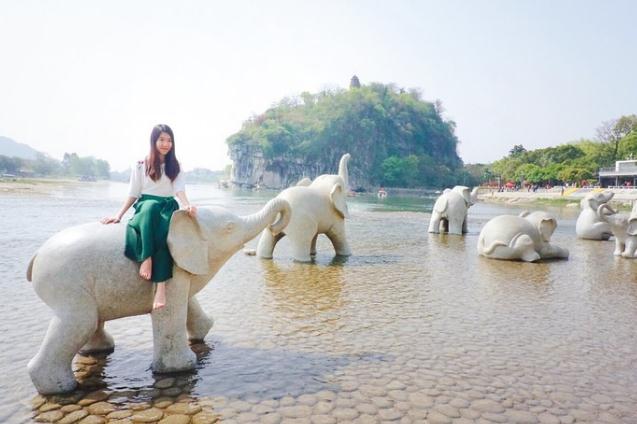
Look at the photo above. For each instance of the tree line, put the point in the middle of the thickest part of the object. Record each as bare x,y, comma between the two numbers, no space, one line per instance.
571,163
71,165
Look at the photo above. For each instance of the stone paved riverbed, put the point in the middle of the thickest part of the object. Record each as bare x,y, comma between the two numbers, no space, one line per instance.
414,328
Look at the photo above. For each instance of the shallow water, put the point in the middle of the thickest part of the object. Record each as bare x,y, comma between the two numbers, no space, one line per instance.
412,327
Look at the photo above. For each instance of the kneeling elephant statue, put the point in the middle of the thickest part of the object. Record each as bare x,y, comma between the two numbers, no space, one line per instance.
83,275
318,207
525,237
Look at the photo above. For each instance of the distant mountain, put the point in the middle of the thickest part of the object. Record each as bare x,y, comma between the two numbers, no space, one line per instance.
11,148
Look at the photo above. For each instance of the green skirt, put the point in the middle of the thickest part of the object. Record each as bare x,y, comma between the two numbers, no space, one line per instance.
147,231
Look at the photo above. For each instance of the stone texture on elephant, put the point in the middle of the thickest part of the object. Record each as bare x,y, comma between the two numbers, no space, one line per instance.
623,227
525,237
589,226
82,274
319,207
450,211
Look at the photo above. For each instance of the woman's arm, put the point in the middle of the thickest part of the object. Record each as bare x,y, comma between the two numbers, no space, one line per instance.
117,218
192,210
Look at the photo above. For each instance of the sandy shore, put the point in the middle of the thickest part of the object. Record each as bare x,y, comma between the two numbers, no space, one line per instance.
572,196
38,185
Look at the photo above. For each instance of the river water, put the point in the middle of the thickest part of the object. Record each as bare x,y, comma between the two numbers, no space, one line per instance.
414,327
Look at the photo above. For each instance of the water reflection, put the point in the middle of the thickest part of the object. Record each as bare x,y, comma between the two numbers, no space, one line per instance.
411,324
300,291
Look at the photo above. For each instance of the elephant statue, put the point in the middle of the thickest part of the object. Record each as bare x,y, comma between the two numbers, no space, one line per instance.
318,207
623,227
81,273
589,226
524,237
450,211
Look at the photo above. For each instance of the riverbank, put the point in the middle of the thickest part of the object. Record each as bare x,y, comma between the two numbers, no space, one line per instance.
570,197
38,185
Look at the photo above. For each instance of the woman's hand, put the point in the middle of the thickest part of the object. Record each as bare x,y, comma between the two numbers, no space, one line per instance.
110,220
192,211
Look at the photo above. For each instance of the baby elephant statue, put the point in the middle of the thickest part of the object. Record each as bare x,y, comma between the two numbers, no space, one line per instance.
83,275
318,207
623,227
525,237
450,210
589,225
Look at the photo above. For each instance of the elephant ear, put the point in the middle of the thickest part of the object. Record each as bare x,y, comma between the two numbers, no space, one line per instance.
466,195
546,226
188,244
337,197
441,204
631,229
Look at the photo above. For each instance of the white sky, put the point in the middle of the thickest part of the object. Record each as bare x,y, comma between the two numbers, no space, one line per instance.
94,77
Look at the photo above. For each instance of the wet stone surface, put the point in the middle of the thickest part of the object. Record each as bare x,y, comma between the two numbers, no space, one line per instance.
414,328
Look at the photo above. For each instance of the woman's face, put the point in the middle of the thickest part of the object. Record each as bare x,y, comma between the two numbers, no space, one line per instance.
164,143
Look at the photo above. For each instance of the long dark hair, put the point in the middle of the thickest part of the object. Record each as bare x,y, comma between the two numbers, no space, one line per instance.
153,161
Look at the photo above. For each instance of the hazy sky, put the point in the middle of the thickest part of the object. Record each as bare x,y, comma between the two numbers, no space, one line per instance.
94,77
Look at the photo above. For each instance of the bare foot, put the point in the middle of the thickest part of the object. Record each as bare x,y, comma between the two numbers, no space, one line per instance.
146,268
160,296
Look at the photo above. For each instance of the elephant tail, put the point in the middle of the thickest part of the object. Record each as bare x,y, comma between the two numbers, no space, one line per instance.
30,268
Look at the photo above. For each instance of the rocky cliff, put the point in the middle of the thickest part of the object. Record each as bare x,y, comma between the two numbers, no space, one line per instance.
250,168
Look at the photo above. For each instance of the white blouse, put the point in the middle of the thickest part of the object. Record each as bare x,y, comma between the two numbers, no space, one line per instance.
140,183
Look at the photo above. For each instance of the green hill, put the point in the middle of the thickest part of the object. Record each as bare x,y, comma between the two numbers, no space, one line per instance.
395,138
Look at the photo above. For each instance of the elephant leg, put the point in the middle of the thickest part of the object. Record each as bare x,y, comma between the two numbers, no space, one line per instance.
313,246
336,234
523,248
266,244
171,351
619,247
600,231
100,342
301,245
465,229
630,248
455,226
197,323
434,223
51,368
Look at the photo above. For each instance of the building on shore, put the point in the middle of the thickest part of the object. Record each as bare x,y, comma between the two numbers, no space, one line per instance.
623,174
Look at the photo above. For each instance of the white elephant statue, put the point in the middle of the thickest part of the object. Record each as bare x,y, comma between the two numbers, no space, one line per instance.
524,237
319,207
450,211
623,227
83,275
589,226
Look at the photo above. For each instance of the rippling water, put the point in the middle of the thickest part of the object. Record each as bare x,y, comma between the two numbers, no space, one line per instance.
412,327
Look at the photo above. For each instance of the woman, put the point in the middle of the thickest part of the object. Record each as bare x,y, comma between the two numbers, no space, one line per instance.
153,184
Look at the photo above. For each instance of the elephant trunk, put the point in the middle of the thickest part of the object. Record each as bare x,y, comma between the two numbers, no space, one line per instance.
342,170
474,195
604,215
256,222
